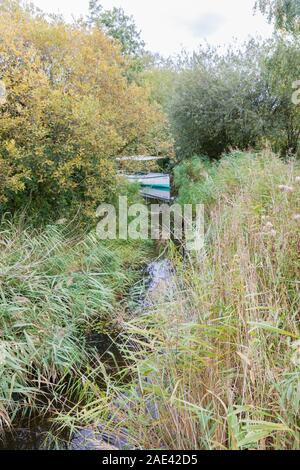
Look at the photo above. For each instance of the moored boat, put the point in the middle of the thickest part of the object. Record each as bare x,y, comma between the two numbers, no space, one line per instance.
154,180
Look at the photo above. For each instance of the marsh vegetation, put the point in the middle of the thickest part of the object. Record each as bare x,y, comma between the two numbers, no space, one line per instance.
207,356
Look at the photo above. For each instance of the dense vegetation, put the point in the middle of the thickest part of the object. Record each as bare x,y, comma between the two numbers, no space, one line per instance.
57,287
238,100
211,360
285,13
69,109
217,100
216,356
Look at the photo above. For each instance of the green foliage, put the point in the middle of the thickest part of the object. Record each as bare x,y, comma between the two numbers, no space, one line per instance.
69,109
281,69
190,180
285,13
218,348
237,100
160,76
198,181
55,284
121,29
117,25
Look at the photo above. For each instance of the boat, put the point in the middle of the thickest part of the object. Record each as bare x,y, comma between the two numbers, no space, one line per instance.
139,158
161,194
152,180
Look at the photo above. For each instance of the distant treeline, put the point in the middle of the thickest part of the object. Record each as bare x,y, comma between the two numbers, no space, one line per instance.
239,99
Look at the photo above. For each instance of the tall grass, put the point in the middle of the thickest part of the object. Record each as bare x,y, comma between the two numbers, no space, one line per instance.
215,363
56,286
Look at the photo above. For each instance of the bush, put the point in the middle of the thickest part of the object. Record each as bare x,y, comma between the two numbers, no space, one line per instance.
238,100
68,110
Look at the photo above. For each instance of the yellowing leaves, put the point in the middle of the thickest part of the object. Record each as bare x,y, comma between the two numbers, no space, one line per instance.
69,109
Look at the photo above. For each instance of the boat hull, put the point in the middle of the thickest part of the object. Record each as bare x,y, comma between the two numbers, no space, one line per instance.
151,180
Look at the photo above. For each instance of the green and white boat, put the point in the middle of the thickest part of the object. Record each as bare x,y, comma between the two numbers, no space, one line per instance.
152,180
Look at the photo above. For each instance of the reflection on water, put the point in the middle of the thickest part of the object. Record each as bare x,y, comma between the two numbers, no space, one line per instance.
98,439
159,271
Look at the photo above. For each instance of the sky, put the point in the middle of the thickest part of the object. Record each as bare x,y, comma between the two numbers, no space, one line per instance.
168,26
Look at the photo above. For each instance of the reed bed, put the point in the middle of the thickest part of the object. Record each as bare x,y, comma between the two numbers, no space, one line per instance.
215,361
57,285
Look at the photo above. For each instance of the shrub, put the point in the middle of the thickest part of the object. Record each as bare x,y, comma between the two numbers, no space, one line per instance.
237,100
68,110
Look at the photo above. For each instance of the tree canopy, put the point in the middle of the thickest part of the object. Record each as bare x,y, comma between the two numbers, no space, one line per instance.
117,25
239,99
285,13
68,109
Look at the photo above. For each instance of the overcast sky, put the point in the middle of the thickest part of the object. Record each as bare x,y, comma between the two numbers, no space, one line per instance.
169,25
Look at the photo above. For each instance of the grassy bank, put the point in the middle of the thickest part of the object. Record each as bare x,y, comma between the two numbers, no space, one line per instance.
57,287
216,363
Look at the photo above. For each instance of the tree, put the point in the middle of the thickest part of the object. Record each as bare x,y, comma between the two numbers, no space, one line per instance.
281,69
68,110
159,76
216,102
239,99
285,13
117,25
